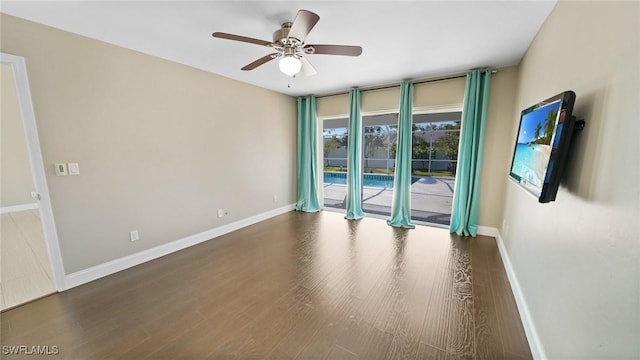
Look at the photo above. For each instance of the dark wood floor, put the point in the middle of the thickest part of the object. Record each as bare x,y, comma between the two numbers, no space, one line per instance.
304,286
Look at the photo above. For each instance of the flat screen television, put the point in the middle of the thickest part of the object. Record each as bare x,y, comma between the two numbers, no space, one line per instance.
542,144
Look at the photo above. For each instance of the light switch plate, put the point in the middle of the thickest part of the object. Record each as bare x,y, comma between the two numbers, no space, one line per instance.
74,168
61,169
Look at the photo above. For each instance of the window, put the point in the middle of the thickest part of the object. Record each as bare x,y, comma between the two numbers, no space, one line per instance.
335,136
380,134
435,139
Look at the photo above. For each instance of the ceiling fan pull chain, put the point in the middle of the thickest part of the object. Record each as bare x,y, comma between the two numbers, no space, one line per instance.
289,81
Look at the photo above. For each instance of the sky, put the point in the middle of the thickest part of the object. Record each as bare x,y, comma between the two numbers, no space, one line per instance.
530,120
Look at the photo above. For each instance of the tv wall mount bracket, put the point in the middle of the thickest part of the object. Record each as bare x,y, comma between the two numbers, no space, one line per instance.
579,125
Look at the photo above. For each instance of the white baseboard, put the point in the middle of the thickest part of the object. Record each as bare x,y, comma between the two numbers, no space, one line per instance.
111,267
488,231
16,208
525,316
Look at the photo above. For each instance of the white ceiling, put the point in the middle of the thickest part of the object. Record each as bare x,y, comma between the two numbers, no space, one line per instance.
400,40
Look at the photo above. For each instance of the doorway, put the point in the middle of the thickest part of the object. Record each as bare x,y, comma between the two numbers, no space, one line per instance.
28,236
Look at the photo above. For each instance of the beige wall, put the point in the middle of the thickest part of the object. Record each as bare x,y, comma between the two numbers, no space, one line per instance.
498,144
443,93
160,145
15,174
332,106
429,95
577,259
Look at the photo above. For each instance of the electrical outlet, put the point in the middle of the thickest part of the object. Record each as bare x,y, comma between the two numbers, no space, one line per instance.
275,198
134,236
220,213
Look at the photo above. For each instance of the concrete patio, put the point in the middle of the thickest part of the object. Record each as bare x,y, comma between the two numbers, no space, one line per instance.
431,199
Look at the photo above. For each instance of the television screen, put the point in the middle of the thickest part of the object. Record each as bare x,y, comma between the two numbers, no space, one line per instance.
541,145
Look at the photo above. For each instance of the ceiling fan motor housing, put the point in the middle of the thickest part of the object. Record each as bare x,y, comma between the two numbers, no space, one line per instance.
281,36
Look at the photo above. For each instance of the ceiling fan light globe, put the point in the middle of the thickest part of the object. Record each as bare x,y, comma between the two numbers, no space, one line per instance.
290,65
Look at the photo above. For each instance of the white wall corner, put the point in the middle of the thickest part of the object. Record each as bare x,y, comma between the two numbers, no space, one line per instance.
114,266
488,231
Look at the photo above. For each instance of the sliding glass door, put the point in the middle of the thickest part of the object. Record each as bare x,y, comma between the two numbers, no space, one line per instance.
434,158
435,139
379,153
335,135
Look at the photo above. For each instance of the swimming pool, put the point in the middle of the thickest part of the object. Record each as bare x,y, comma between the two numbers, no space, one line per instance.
370,180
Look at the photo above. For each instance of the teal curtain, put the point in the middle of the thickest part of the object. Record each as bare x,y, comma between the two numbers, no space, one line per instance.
307,156
401,208
354,159
464,215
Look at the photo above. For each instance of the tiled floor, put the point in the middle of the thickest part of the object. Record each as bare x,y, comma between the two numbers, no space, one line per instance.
25,269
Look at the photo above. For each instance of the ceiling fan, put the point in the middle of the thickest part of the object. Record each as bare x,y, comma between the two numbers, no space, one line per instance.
288,42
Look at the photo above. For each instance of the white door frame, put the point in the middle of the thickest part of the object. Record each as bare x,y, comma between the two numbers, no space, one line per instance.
25,104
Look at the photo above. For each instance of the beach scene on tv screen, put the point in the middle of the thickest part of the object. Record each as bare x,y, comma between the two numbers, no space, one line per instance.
533,147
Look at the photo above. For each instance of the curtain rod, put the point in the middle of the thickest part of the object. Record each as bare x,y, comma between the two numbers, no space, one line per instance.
450,77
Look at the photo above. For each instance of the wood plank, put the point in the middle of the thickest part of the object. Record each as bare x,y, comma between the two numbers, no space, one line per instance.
461,338
428,352
338,325
488,340
514,341
203,339
339,295
268,330
165,328
421,260
339,353
297,286
438,319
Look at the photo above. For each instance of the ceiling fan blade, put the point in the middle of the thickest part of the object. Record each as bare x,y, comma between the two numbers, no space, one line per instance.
346,50
303,23
260,61
222,35
307,69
